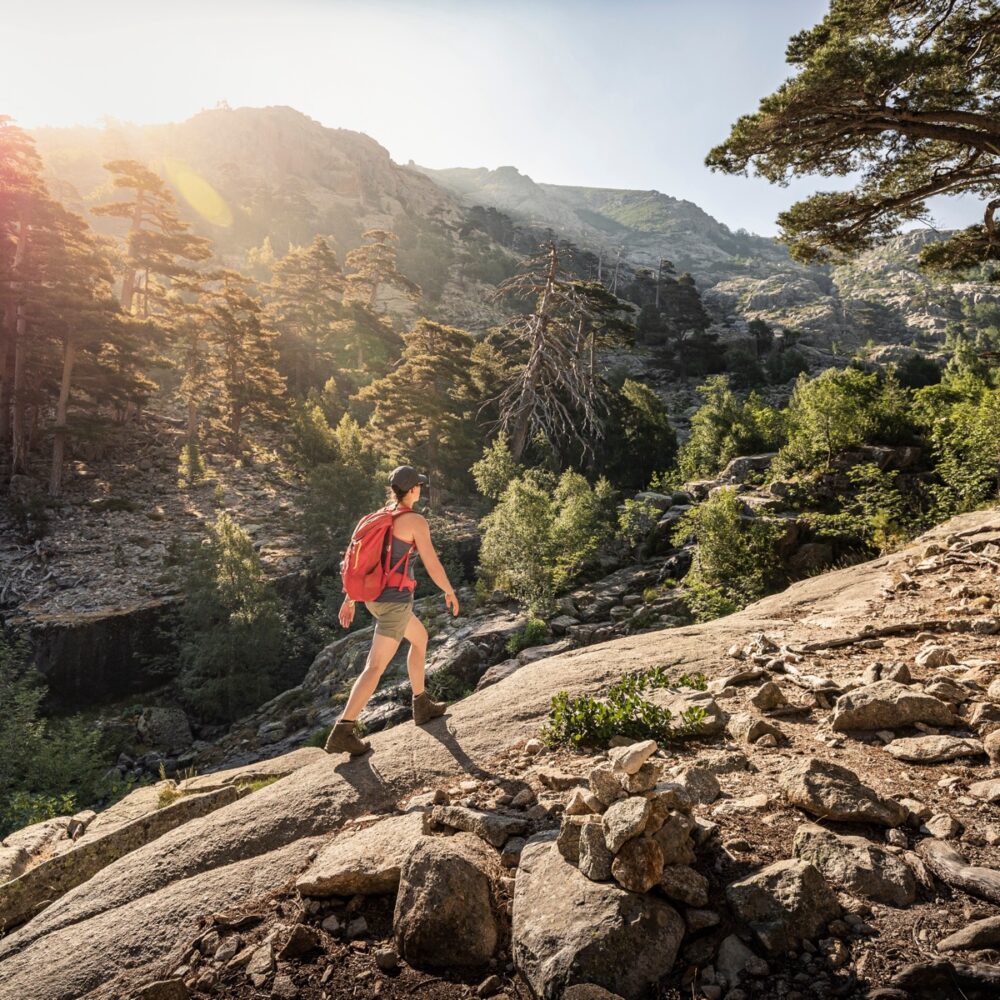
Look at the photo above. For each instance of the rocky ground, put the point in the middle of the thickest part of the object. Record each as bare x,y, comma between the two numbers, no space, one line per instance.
106,543
833,831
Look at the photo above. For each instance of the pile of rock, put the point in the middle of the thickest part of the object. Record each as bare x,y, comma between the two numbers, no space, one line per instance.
634,828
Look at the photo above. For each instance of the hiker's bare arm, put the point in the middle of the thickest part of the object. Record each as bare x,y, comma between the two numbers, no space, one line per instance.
425,548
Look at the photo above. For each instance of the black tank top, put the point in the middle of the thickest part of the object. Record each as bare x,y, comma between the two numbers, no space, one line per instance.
393,594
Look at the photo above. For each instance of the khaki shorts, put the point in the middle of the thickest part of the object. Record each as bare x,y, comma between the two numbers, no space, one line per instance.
391,617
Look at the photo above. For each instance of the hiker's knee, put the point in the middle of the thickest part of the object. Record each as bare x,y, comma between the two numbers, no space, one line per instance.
416,633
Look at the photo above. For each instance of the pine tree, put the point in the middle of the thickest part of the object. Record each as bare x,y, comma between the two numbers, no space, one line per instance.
230,629
371,269
160,245
908,90
424,409
249,385
22,195
63,330
79,313
305,302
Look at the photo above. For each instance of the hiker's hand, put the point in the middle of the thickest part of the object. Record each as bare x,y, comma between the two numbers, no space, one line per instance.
346,615
451,601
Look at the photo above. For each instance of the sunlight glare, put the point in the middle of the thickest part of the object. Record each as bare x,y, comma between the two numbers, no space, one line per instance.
198,193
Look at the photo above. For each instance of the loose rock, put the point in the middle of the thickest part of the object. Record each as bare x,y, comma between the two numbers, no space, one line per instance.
492,827
856,865
887,705
595,859
631,758
934,749
638,865
625,820
365,862
683,883
833,792
980,934
783,904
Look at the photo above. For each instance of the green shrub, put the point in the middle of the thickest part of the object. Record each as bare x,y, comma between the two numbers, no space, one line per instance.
318,738
637,521
638,440
838,410
592,722
50,767
191,469
735,561
534,633
543,534
444,686
314,441
23,809
960,417
725,427
339,492
497,469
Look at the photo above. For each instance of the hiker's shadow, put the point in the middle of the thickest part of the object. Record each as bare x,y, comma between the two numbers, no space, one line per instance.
438,728
362,773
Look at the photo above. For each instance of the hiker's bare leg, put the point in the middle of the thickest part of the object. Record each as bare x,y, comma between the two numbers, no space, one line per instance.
382,651
416,634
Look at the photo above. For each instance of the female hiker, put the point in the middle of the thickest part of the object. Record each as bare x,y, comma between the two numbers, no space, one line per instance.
393,610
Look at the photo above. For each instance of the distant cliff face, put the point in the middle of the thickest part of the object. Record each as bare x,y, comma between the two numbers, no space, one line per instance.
282,176
881,296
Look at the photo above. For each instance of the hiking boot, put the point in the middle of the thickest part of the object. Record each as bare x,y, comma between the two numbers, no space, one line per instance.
424,709
342,739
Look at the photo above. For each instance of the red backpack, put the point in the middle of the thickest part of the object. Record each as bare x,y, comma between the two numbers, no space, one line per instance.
365,568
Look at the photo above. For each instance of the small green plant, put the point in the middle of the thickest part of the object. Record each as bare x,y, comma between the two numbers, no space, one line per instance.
190,466
592,722
318,738
444,686
169,794
534,633
219,495
249,787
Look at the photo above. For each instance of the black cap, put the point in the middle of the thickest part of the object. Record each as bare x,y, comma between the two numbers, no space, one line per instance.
406,477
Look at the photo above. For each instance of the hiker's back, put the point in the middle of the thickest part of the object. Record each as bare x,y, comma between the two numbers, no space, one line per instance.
403,554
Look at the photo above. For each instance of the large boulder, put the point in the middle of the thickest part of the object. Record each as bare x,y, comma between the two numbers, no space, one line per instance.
783,904
570,930
164,728
445,912
363,862
856,865
888,705
830,791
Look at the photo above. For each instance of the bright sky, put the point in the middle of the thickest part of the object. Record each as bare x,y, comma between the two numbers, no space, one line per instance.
630,94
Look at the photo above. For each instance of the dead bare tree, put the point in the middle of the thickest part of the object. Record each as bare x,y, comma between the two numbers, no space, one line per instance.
554,391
